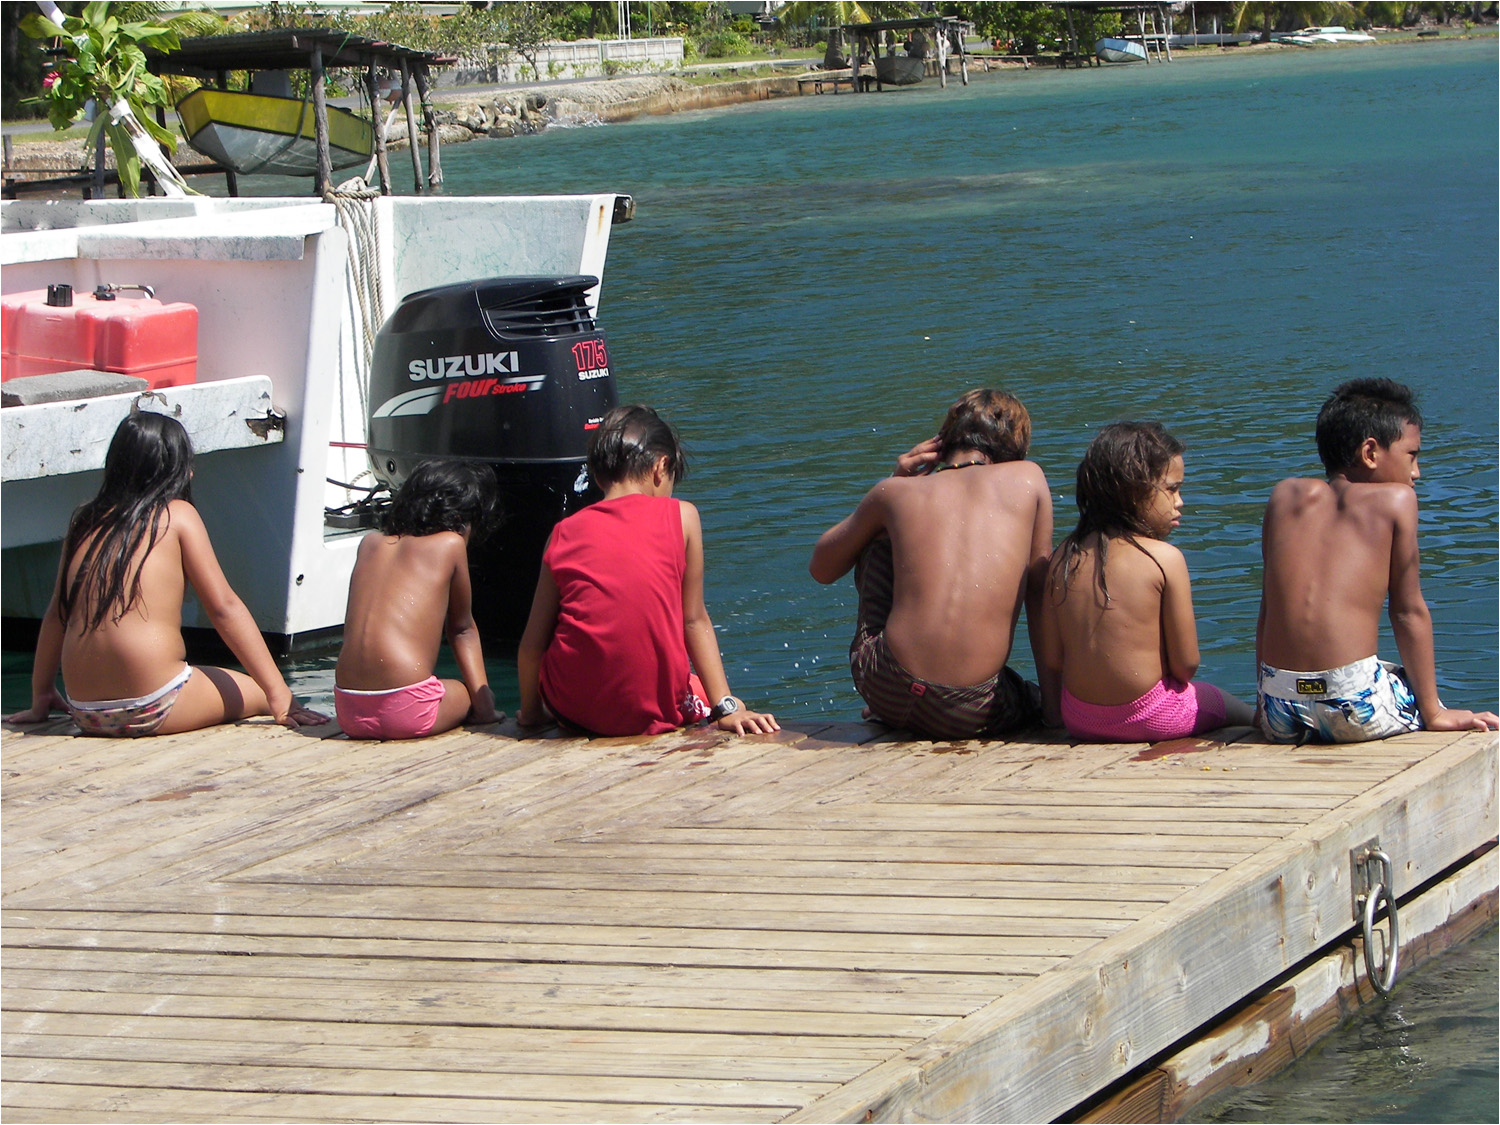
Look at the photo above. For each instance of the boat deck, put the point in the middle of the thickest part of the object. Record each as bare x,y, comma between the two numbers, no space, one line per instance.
829,924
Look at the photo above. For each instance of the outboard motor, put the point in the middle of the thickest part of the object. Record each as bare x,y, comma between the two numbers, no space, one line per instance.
512,371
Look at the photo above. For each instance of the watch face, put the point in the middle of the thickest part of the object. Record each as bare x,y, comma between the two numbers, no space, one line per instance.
727,705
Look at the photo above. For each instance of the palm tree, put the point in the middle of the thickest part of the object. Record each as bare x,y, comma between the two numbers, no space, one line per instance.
1289,17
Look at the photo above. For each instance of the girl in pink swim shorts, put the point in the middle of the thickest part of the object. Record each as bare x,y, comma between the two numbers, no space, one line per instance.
410,587
1119,644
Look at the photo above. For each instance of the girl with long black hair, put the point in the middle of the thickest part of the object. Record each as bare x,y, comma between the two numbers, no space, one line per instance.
114,625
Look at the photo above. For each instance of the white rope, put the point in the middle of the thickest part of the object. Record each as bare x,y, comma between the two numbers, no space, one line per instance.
354,201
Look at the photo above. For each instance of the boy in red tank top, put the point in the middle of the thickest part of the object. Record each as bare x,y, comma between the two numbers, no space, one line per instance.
618,626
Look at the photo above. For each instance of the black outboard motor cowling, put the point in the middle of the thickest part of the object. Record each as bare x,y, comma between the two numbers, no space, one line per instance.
512,371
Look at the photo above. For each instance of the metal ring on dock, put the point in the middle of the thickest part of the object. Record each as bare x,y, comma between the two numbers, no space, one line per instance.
1384,978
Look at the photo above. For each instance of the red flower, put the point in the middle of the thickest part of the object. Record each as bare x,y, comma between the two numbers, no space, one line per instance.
50,80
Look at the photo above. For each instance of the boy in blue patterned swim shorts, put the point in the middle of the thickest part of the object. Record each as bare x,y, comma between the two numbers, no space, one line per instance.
1334,551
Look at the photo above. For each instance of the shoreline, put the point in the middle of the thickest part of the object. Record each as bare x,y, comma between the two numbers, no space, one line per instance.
512,111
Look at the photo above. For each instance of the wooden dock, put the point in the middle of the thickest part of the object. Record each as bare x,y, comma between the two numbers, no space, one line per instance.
825,925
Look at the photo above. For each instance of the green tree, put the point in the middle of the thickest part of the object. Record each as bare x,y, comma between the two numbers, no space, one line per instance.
528,28
1289,17
105,61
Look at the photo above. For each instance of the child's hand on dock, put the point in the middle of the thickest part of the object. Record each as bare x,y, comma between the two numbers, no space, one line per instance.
748,722
299,716
1449,719
482,708
534,720
41,708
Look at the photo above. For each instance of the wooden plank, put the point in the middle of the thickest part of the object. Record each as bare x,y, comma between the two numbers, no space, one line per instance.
639,942
61,965
363,1008
813,951
406,1083
80,1100
621,1058
628,1051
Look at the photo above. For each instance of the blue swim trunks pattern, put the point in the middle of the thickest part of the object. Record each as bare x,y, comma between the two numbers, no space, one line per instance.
1358,702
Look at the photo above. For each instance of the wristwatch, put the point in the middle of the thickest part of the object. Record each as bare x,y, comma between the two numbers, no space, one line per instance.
726,706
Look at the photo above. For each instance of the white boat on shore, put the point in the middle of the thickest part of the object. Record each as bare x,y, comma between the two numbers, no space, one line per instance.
1120,50
279,408
1316,36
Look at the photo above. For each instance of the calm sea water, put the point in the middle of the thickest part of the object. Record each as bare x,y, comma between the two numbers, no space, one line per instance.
1214,244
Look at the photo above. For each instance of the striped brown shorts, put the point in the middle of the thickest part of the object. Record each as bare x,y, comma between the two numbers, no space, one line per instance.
1003,703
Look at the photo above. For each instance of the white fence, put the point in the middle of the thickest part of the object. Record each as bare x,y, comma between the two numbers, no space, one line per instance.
583,58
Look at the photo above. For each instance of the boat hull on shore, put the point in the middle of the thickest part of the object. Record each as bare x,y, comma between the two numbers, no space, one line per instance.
1120,50
251,133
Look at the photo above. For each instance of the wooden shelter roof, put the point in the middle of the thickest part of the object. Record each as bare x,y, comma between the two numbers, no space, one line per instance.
899,25
287,49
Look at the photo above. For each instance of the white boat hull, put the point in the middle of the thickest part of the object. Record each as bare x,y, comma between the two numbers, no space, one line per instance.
1120,50
268,279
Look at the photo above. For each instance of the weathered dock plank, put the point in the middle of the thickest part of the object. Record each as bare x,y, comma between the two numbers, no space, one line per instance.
829,924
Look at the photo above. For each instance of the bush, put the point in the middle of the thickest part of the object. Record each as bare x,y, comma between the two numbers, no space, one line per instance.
725,45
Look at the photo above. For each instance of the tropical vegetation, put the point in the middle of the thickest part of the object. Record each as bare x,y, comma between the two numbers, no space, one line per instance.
518,28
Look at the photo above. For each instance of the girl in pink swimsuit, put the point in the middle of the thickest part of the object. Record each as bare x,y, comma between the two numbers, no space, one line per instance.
1119,643
114,626
618,626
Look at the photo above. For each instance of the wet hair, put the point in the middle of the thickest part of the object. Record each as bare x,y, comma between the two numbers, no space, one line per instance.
990,422
445,496
1360,409
628,443
1117,480
149,464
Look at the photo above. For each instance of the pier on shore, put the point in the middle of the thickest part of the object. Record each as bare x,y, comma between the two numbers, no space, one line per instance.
828,924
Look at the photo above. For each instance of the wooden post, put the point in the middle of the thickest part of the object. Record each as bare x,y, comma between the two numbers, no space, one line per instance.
323,183
434,141
1166,31
231,181
940,34
382,163
96,187
411,124
1140,20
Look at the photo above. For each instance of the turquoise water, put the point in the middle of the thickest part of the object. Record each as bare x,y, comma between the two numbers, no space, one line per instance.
1213,244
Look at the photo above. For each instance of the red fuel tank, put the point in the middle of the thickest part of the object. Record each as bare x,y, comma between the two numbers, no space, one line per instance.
128,335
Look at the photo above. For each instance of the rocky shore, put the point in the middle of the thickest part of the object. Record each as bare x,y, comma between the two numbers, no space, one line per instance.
507,113
464,116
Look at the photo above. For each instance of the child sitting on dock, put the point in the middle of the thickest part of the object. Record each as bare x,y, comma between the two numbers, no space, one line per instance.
1120,644
945,552
1334,550
618,624
410,581
114,624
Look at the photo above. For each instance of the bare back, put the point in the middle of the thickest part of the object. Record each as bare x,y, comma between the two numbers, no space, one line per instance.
1329,550
137,654
964,544
399,598
1115,651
